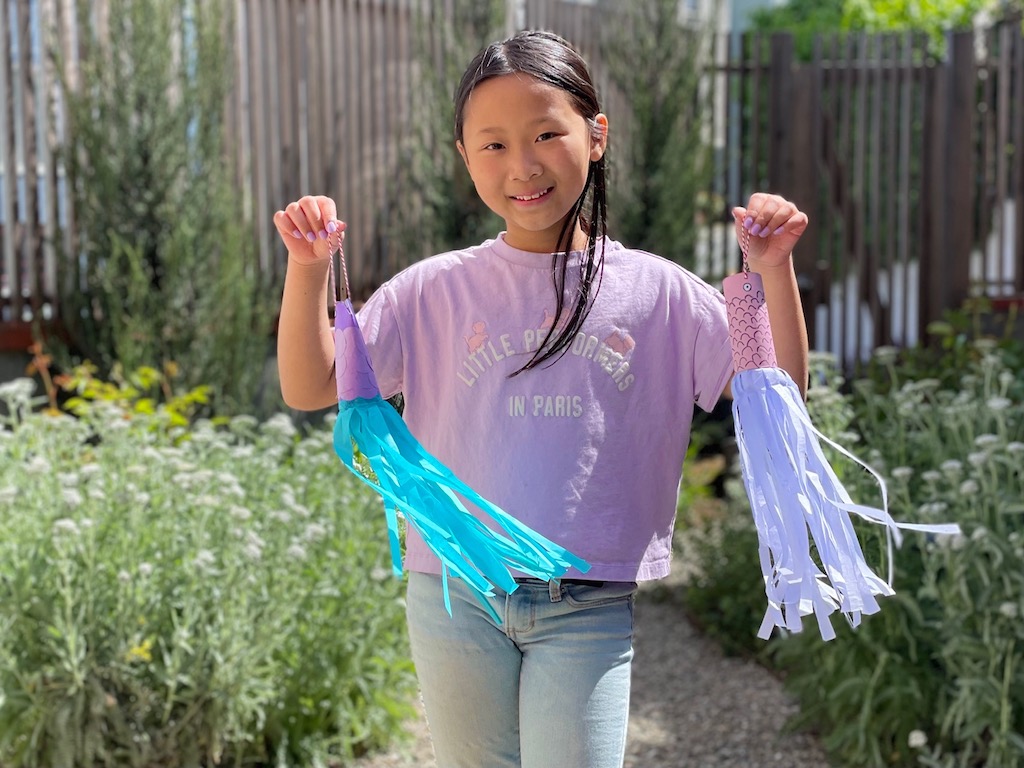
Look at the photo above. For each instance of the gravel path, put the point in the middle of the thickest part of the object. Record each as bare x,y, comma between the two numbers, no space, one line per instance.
691,707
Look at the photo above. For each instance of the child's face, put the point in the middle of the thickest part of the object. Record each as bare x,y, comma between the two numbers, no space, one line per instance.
528,152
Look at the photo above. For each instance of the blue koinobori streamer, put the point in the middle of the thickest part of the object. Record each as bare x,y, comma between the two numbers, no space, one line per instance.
426,493
795,496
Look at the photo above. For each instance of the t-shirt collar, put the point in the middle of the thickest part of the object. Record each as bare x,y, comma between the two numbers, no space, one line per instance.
532,259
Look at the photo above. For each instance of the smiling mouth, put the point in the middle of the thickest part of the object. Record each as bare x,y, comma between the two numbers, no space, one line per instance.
531,198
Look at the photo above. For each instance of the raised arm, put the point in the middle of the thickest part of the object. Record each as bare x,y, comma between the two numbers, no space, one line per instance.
305,338
771,225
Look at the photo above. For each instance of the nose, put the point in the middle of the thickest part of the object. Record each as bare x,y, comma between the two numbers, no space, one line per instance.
523,164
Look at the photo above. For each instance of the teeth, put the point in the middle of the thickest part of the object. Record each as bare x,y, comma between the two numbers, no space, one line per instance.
530,197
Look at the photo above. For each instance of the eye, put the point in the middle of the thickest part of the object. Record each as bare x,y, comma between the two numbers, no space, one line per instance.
747,286
547,135
493,146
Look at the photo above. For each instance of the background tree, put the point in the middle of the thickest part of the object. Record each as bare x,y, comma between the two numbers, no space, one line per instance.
164,271
660,155
807,18
434,206
804,19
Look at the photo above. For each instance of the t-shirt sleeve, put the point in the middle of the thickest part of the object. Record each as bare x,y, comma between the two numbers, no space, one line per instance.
712,351
380,327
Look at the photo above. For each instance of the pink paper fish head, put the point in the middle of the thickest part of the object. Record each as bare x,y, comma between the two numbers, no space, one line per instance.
354,370
750,332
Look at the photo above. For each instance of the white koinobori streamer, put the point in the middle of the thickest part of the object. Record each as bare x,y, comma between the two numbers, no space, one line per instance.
795,496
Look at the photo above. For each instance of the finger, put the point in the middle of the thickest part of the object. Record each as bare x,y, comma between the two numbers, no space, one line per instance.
795,224
302,227
287,227
767,214
760,210
321,214
776,225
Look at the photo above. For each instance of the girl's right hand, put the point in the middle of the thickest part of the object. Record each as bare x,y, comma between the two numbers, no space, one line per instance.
308,227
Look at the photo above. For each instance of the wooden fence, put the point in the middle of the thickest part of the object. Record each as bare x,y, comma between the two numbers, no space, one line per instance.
910,165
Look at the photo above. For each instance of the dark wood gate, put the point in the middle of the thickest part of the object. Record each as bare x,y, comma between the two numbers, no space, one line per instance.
912,168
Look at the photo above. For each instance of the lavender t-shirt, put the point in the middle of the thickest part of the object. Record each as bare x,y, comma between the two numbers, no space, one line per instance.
589,450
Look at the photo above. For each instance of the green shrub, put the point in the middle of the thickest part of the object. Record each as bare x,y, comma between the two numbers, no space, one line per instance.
723,592
952,448
181,595
164,266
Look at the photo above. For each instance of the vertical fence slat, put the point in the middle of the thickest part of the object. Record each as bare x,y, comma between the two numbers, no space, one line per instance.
45,280
890,169
241,123
1017,121
21,287
907,102
874,193
981,267
67,37
932,180
261,158
8,274
821,274
961,166
859,211
1003,111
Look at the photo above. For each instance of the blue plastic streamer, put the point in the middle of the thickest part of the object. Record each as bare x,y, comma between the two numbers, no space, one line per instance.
420,488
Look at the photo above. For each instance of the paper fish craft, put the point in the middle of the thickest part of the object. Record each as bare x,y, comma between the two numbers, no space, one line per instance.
795,496
426,493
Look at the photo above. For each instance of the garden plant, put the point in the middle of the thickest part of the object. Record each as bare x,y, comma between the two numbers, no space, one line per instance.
182,591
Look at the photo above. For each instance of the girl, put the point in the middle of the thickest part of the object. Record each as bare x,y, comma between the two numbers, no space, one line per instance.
555,371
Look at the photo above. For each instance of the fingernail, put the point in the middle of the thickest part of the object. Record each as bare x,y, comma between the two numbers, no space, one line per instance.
297,234
323,234
779,231
764,232
747,222
332,227
311,237
755,229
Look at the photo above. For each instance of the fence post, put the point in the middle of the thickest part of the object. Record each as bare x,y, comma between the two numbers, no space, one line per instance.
962,190
780,117
791,144
948,189
1017,139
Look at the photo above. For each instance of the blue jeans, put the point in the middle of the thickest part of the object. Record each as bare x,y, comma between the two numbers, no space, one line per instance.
548,688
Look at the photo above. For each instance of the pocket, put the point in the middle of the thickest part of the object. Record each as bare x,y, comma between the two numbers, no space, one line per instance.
592,596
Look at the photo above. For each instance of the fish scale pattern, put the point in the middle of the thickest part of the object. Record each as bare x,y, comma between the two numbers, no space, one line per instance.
749,330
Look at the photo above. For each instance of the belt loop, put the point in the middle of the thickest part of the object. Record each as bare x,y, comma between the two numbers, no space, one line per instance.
555,591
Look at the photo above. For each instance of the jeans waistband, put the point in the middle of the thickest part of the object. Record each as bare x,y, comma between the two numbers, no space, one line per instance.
541,582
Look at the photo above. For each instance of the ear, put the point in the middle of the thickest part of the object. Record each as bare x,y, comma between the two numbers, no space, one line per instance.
462,152
598,143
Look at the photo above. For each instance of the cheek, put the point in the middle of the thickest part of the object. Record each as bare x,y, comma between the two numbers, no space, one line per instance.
484,170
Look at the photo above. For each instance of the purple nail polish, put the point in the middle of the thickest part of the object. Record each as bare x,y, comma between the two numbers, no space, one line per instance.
779,231
332,227
747,222
296,234
323,234
755,229
311,237
764,232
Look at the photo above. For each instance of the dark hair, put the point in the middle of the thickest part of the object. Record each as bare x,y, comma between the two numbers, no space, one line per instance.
553,60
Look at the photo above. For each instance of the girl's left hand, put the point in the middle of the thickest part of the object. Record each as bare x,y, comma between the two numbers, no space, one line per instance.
771,226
